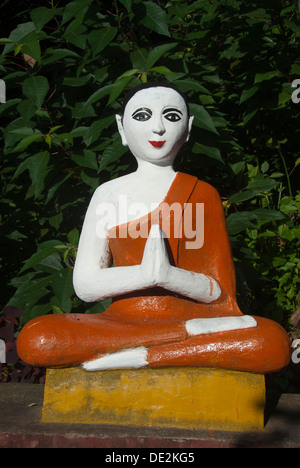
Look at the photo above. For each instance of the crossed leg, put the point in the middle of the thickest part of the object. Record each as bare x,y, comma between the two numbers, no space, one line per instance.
261,349
65,340
98,343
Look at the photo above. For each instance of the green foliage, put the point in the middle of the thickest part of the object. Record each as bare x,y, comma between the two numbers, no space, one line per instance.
66,70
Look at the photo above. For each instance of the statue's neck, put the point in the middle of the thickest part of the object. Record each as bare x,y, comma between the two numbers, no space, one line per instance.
149,170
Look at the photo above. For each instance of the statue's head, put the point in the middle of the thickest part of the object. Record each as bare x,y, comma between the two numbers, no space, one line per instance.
154,122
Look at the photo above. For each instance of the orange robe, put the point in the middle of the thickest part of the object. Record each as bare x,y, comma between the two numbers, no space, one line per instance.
156,318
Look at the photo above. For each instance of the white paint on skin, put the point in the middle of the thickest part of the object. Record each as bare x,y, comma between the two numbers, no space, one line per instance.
131,358
218,324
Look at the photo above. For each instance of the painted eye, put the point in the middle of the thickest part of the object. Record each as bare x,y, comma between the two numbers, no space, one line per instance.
142,114
172,117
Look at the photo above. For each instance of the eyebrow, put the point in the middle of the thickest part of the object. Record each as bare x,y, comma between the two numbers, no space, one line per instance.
172,109
142,109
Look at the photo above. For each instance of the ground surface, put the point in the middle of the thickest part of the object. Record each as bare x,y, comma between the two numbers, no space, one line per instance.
20,426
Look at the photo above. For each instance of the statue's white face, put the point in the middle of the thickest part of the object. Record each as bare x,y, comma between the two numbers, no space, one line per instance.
155,125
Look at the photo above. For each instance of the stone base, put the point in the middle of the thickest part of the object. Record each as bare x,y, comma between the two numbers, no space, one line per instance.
186,398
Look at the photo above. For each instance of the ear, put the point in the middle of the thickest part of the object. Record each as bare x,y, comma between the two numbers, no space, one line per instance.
189,127
121,129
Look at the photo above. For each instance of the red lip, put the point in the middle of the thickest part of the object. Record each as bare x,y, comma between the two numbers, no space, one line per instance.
157,144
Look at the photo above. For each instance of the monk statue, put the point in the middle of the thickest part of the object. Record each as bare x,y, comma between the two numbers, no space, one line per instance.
155,241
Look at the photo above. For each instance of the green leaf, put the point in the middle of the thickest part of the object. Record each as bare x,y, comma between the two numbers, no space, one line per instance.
210,151
55,187
202,118
187,85
295,69
99,94
82,110
19,35
74,8
55,55
89,180
250,113
101,38
16,235
155,19
99,307
27,109
56,309
265,167
38,169
158,52
37,258
248,93
5,106
41,16
18,49
33,312
75,33
258,185
267,214
259,77
261,184
288,205
25,142
293,26
22,131
75,81
127,4
33,49
161,70
96,129
88,160
73,236
139,59
113,152
241,196
50,264
30,292
3,41
232,52
118,87
133,71
237,167
56,220
238,222
63,289
35,88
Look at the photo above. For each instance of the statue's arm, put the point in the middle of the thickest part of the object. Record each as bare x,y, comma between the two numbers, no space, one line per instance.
197,286
156,265
93,278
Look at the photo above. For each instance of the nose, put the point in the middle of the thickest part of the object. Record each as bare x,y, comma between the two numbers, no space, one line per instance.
158,126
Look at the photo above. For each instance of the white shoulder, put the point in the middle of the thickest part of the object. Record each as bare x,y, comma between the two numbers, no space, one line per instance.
108,190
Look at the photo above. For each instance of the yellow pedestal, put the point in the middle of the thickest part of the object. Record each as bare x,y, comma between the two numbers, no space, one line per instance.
187,397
